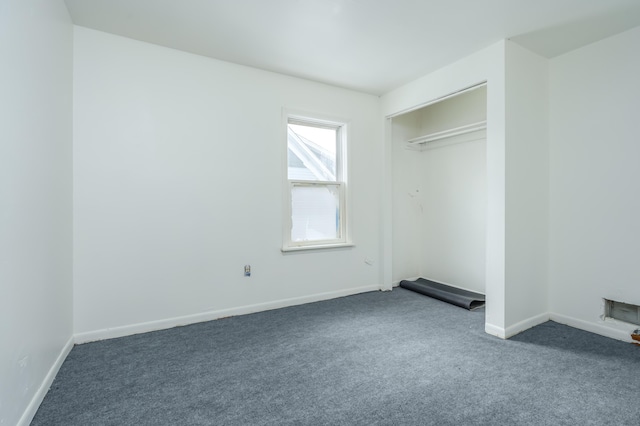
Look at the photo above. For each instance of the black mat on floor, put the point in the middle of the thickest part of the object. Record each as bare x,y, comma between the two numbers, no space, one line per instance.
456,296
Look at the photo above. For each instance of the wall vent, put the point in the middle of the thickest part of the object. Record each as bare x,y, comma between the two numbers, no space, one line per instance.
622,311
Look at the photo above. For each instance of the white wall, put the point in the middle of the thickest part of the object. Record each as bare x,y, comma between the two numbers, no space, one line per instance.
439,196
460,110
453,195
178,179
595,182
486,65
527,188
406,200
454,203
36,201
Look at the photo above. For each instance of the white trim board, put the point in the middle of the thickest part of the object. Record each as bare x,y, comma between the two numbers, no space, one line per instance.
397,282
526,324
38,397
519,327
606,328
145,327
494,330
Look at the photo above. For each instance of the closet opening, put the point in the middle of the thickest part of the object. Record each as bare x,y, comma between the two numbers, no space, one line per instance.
439,191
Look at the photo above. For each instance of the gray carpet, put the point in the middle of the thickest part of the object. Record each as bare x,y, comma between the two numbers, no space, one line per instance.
386,358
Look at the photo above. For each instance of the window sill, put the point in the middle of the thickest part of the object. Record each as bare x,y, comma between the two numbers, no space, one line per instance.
317,247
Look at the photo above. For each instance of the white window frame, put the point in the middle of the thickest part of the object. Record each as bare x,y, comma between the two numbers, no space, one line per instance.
343,137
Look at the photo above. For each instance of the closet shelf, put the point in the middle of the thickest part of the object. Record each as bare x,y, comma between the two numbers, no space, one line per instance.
432,137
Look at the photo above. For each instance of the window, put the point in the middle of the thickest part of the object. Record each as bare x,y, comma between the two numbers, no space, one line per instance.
316,179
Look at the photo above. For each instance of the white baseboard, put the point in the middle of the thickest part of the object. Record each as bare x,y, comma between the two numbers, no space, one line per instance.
526,324
38,397
397,283
519,327
494,330
127,330
449,284
608,328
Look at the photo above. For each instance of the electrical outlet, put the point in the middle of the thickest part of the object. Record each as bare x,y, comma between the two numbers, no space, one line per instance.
247,270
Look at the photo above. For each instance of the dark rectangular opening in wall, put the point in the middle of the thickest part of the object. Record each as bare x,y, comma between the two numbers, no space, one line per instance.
622,311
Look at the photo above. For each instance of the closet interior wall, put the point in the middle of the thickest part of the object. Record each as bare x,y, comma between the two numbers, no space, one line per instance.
439,194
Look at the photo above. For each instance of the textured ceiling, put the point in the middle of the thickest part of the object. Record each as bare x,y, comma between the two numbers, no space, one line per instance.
367,45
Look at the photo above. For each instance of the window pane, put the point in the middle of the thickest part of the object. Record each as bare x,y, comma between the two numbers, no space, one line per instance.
312,152
315,212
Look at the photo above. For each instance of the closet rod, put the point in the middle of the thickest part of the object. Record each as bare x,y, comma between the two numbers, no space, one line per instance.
468,128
